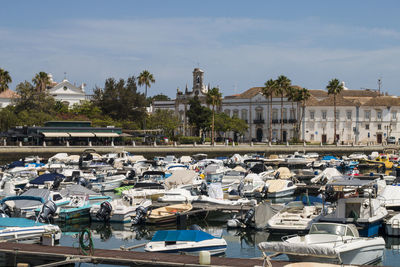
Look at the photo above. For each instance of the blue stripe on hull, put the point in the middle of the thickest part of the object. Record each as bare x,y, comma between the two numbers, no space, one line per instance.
196,249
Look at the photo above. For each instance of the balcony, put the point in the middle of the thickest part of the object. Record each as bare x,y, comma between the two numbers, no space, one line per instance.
259,121
284,121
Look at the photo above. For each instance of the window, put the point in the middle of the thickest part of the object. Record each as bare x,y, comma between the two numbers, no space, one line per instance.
312,114
235,113
337,114
227,112
394,115
284,114
292,114
348,114
366,126
367,114
312,137
275,114
379,126
244,114
379,114
324,114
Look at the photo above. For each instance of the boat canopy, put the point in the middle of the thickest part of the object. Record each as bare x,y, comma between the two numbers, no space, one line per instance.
181,235
180,177
351,182
329,158
299,249
46,177
77,189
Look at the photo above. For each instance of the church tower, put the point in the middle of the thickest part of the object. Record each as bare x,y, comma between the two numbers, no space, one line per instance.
198,81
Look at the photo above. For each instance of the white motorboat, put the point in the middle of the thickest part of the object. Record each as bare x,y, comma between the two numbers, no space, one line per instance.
329,243
186,241
24,229
392,225
298,158
280,188
390,196
295,217
122,210
108,182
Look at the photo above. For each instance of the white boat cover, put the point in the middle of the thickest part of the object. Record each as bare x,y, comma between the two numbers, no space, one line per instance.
284,173
180,177
298,249
77,189
391,195
239,169
327,174
215,191
276,185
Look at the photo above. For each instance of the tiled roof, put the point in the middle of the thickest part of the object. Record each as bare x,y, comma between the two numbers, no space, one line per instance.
383,101
8,94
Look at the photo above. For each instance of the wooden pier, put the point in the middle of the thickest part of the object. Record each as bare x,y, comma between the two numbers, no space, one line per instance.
34,255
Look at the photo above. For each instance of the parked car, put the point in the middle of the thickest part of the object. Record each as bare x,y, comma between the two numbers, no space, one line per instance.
391,140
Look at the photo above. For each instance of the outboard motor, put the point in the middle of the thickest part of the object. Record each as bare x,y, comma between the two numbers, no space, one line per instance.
47,213
80,162
140,215
5,211
57,182
240,189
203,188
276,176
264,190
111,161
249,216
103,214
131,175
82,181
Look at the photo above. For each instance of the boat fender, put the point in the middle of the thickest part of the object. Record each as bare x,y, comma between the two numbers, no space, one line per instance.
103,214
140,215
249,216
47,213
365,204
276,176
264,190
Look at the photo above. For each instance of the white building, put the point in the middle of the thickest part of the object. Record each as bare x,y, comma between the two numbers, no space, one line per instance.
362,115
66,92
6,97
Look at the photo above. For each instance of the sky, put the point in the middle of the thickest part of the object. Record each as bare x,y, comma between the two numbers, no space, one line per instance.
238,44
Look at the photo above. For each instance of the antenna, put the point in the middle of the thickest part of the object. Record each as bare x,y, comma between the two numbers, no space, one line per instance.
65,75
379,85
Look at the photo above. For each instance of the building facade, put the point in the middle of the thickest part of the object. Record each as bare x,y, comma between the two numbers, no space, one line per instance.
66,92
362,116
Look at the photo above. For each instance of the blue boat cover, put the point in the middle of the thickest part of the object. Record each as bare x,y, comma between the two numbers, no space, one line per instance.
18,222
308,200
34,164
181,235
16,164
328,158
46,177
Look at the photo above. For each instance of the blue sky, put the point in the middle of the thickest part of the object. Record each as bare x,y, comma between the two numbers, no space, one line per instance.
239,44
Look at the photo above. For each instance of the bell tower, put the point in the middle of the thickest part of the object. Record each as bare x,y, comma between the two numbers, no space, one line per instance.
198,78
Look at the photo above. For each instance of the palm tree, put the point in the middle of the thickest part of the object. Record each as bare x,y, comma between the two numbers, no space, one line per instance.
334,88
283,85
303,96
292,95
5,79
145,78
214,98
269,90
41,81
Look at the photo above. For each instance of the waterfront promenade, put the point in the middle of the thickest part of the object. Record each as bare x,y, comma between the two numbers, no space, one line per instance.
219,149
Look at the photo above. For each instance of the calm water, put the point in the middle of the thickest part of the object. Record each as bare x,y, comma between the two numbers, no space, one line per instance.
241,244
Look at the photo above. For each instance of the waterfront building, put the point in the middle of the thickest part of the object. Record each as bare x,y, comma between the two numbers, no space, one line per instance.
362,115
6,98
66,92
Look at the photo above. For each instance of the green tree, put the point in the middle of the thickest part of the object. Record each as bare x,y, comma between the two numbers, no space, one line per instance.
8,118
86,108
222,123
41,81
158,97
269,89
165,120
198,116
120,100
214,98
283,85
31,100
5,79
238,126
334,88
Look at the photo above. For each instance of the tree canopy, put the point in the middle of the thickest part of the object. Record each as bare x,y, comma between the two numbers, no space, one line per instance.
198,115
5,79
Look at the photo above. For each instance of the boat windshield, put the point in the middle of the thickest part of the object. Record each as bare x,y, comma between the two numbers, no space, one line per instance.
326,228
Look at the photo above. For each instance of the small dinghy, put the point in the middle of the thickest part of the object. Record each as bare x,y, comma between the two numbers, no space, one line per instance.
329,243
168,214
187,241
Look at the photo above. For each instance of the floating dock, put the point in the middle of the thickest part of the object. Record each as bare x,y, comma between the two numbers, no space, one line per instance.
58,255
